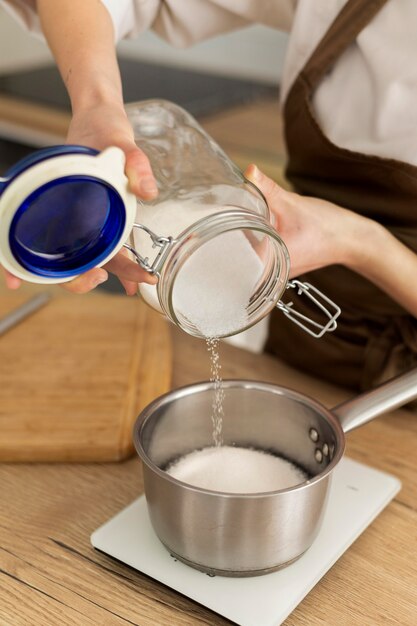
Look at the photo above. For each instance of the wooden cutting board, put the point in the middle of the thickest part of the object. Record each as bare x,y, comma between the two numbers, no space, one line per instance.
75,374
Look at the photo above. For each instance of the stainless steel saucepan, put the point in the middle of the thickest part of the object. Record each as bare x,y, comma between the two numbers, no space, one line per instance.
249,534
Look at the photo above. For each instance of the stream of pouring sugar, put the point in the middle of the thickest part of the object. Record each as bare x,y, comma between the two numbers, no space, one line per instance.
213,290
217,410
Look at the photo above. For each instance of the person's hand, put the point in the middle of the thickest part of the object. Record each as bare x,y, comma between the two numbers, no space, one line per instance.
82,38
12,282
107,125
317,233
99,127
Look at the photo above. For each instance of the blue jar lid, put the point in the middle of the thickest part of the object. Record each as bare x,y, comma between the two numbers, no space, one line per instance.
69,215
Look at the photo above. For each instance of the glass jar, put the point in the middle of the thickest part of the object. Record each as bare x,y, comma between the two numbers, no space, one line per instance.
209,236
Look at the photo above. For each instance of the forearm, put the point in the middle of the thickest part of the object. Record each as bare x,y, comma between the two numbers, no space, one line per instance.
377,255
81,37
319,234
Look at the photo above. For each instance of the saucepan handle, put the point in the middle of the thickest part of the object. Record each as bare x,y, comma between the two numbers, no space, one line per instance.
390,395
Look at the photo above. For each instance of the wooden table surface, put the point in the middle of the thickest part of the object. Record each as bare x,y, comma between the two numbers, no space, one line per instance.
50,575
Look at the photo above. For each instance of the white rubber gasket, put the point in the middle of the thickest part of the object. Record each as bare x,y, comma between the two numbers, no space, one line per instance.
107,166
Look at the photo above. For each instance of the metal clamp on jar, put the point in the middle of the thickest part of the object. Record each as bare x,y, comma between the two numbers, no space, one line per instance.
67,209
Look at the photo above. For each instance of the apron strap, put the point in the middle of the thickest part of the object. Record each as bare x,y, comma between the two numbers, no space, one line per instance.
353,18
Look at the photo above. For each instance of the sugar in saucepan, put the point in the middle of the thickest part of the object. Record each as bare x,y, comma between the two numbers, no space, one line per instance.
231,469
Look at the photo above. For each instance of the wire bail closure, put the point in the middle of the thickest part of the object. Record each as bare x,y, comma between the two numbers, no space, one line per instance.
331,311
163,243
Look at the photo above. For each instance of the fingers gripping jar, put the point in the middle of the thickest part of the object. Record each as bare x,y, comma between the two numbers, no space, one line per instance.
222,266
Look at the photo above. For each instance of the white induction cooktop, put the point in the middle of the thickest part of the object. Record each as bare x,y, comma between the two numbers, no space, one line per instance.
358,494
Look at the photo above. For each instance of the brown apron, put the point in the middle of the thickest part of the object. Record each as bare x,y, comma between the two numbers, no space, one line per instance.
376,338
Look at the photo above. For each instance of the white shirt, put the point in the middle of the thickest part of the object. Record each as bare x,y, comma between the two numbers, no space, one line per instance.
367,103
